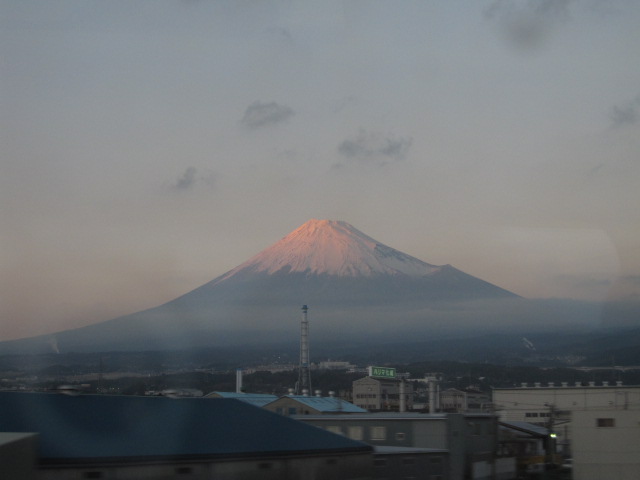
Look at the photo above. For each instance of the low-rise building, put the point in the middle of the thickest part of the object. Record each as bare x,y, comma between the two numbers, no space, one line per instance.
401,463
18,455
377,394
606,444
469,441
523,448
553,405
468,400
256,399
306,405
125,437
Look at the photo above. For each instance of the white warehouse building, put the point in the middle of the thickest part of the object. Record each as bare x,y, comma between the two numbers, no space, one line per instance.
599,425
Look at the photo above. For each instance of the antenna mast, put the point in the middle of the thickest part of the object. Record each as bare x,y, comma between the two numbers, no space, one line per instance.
303,384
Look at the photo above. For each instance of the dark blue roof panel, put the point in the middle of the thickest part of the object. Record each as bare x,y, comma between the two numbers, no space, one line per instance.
103,427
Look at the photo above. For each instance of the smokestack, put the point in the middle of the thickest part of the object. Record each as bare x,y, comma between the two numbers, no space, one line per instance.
432,396
304,375
238,380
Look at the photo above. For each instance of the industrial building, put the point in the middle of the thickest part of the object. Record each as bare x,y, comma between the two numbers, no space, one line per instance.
466,444
18,455
460,401
125,437
255,399
552,406
383,394
522,447
606,443
306,405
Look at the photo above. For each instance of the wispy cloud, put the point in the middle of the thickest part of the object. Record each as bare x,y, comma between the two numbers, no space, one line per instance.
190,178
627,114
260,114
527,24
187,180
375,148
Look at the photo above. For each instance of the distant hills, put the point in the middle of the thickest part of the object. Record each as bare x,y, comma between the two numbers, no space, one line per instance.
356,287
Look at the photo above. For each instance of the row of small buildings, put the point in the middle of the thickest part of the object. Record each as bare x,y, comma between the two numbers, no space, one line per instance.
228,435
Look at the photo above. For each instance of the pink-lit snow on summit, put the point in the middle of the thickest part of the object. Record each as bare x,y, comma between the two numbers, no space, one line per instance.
333,248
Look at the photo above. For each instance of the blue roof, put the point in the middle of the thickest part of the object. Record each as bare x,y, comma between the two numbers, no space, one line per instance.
327,404
114,428
256,399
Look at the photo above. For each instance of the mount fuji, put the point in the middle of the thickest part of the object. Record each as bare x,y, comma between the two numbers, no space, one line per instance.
351,282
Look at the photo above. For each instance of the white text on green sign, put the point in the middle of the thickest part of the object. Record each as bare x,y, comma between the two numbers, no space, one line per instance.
383,372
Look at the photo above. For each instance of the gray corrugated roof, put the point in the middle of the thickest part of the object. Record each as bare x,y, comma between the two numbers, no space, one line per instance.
391,450
102,427
257,399
526,427
388,416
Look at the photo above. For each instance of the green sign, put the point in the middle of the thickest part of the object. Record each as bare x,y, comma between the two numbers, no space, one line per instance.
383,372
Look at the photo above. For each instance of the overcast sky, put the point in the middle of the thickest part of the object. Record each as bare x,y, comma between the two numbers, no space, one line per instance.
150,146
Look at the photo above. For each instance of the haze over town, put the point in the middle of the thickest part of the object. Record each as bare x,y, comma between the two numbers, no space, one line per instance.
149,147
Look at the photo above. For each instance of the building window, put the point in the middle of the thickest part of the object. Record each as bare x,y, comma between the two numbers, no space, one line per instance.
606,422
293,410
335,429
400,436
355,433
378,433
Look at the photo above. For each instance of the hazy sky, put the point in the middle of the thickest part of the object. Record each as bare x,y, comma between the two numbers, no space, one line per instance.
150,146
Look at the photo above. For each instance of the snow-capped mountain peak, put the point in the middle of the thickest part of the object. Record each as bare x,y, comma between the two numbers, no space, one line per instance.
330,247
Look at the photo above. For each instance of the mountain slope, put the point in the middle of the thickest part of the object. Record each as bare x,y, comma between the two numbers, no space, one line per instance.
328,247
336,269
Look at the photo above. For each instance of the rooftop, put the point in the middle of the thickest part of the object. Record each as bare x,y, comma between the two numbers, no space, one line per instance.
84,428
255,399
327,404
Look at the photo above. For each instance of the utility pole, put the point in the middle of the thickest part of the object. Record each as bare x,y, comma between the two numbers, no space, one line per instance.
550,449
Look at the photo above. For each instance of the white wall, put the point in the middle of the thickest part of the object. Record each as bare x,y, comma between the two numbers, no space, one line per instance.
606,452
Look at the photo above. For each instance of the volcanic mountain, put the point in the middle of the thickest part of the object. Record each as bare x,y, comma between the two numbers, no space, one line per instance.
350,281
325,262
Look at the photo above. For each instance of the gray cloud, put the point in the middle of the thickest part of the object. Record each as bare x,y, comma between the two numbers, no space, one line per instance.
528,24
626,114
260,114
187,180
375,148
190,178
